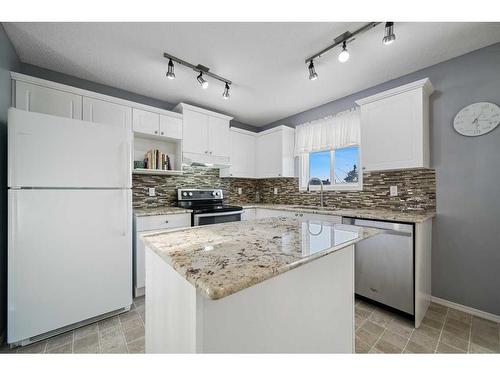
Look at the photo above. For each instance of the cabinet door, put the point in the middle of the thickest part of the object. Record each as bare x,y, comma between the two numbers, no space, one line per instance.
391,133
40,99
103,112
242,155
146,122
195,132
218,136
170,127
269,155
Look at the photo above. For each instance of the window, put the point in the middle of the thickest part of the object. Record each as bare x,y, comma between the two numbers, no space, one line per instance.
338,169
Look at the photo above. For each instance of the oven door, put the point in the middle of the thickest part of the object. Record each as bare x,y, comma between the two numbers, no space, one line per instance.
216,218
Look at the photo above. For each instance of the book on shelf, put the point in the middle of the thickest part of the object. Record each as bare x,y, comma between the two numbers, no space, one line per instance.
155,159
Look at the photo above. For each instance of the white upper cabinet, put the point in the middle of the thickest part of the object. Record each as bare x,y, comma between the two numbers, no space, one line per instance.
146,122
103,112
395,128
274,152
170,127
34,98
205,135
242,154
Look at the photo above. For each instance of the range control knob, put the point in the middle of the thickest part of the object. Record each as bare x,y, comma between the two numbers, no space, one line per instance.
184,194
190,194
214,193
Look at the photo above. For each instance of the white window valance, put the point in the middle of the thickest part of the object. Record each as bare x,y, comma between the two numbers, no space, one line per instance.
338,131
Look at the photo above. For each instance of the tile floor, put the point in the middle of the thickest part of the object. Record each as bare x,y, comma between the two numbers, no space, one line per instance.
444,330
119,334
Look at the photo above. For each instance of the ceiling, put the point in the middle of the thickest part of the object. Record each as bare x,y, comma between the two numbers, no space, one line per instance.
264,60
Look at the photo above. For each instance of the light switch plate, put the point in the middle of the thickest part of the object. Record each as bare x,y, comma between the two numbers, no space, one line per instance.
275,191
152,192
393,191
240,191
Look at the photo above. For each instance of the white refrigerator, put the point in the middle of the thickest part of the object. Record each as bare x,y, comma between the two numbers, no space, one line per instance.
69,226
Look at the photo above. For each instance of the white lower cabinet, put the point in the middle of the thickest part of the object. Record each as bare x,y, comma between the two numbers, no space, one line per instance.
147,225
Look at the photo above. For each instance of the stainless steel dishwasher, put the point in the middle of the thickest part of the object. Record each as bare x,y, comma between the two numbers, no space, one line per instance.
384,267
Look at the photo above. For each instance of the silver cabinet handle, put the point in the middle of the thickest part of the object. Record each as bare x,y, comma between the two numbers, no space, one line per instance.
296,214
374,290
166,221
301,215
162,133
156,131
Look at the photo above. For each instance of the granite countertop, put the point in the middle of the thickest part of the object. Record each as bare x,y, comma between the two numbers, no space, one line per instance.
163,210
223,259
362,213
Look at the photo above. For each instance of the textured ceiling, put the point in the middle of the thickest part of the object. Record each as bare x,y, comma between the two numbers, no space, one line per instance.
264,60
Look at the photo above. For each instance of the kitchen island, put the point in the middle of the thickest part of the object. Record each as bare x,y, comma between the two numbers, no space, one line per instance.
269,285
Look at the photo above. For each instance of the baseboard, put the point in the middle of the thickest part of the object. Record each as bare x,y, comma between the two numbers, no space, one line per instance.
469,310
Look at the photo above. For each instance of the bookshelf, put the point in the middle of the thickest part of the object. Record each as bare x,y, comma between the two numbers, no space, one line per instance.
170,146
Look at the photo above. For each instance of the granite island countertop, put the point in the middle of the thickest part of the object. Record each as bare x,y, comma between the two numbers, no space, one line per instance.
223,259
360,213
161,210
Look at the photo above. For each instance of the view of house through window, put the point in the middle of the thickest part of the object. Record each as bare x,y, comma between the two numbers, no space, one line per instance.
337,167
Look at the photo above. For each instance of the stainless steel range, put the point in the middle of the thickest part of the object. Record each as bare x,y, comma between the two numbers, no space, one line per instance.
208,206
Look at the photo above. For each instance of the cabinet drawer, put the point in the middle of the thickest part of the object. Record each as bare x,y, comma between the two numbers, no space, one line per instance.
163,222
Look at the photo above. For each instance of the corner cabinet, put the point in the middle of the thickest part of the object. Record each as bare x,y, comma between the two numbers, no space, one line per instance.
274,152
241,154
205,135
395,128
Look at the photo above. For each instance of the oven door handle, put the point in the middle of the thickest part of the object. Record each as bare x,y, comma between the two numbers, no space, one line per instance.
196,217
220,214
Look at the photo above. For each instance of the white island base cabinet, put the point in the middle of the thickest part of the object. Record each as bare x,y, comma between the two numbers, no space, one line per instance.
309,309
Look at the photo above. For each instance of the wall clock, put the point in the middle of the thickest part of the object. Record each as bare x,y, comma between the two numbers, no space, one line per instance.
477,119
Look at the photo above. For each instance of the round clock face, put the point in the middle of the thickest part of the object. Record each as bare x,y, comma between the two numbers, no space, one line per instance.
477,119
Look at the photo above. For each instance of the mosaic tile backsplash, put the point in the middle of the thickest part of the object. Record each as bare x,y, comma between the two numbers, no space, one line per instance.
416,190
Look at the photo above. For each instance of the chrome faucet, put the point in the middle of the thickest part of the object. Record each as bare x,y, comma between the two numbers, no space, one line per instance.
321,183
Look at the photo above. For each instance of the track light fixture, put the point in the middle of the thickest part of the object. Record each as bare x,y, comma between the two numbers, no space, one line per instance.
389,36
226,94
344,54
345,38
312,72
203,82
202,70
170,72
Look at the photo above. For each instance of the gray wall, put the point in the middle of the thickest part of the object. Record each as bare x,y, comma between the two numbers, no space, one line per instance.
65,79
466,234
8,61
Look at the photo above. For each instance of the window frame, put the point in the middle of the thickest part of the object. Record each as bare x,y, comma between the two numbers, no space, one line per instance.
304,174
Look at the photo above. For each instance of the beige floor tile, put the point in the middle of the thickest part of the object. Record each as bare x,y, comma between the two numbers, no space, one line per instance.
401,326
365,305
449,339
113,341
381,317
136,346
38,347
109,323
130,315
374,350
60,340
426,337
361,346
445,348
133,334
86,331
372,327
413,347
478,349
459,315
367,337
391,343
358,321
457,328
62,349
87,344
437,308
132,323
362,313
434,323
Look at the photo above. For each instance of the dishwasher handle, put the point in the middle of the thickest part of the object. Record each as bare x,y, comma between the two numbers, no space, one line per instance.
397,229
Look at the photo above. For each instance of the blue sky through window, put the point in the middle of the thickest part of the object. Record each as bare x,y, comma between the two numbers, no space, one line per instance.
345,159
319,166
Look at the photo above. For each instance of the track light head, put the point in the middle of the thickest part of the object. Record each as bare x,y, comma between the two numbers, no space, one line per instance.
344,54
389,35
312,72
202,81
226,94
170,72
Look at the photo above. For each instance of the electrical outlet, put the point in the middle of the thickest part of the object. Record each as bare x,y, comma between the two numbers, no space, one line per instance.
393,191
240,191
152,192
275,191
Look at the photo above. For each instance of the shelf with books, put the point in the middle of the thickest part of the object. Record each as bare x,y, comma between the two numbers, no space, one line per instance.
157,156
157,172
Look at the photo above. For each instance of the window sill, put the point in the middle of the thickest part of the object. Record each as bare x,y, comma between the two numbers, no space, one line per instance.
333,188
